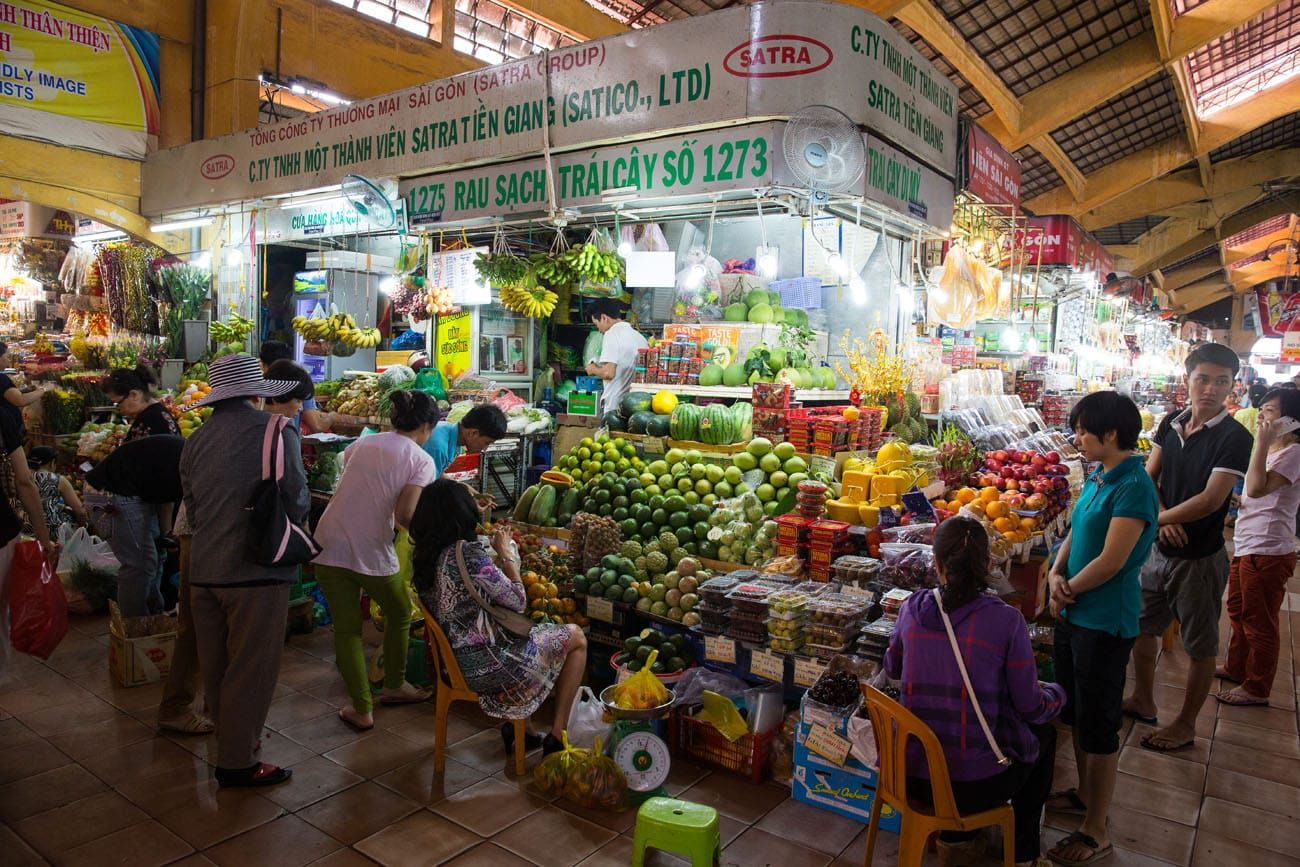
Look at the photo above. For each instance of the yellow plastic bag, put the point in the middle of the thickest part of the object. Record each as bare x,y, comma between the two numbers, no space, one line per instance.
553,772
642,690
721,713
595,781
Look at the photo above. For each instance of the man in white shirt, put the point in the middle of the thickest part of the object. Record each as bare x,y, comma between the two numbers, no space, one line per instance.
617,364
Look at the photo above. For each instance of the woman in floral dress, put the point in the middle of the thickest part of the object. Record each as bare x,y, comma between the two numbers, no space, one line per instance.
512,675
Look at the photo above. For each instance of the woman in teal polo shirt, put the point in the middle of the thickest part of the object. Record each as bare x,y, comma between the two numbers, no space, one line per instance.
1096,598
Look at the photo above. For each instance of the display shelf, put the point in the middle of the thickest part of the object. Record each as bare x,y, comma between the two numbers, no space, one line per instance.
737,391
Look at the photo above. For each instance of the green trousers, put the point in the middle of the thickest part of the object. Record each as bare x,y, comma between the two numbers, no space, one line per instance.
342,589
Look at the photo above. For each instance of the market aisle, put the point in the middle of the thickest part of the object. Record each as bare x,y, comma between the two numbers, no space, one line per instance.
82,775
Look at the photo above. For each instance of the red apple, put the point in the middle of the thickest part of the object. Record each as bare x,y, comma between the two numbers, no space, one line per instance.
998,455
994,464
1008,472
1013,485
1053,457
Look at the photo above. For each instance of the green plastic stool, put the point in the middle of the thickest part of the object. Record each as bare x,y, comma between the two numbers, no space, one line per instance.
677,826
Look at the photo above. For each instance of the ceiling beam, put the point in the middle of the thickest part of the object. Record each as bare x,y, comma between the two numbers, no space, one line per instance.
925,19
884,8
1204,297
1116,178
1069,172
1181,278
1210,20
574,18
1174,250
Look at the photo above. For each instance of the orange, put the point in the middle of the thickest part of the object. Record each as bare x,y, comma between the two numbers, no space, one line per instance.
989,494
939,504
975,510
1028,525
1004,525
536,591
965,495
996,509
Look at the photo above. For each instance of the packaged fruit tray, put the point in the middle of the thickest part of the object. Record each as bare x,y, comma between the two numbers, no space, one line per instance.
823,651
837,610
786,628
756,634
785,645
788,604
840,636
715,590
855,569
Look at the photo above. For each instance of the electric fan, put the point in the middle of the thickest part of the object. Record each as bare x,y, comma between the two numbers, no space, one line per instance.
370,201
824,150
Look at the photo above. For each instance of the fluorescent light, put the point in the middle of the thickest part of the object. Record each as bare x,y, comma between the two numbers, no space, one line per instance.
311,201
110,235
173,225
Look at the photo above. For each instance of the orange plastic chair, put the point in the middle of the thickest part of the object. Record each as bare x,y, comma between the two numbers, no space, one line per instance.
894,726
452,687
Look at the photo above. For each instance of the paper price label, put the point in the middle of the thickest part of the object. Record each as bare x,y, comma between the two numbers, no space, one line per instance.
827,744
653,445
600,609
766,664
719,649
806,671
821,464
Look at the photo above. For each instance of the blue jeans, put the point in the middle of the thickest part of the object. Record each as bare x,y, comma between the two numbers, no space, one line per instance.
134,540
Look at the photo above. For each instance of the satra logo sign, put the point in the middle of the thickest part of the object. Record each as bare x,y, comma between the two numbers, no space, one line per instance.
217,167
777,56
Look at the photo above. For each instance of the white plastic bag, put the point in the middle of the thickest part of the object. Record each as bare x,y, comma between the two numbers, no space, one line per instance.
587,720
79,546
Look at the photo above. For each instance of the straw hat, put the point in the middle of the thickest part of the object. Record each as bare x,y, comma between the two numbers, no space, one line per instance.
240,375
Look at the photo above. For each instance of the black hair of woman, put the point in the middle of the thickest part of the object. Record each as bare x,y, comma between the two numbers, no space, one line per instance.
40,456
412,410
285,370
445,514
123,381
961,552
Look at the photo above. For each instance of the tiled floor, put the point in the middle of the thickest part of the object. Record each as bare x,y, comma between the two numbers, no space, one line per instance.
84,779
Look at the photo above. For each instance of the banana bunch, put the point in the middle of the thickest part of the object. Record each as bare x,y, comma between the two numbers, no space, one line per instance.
312,328
439,301
591,263
537,302
552,271
361,338
501,268
234,330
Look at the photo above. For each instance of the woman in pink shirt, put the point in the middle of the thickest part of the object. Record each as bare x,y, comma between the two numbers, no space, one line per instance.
383,475
1265,550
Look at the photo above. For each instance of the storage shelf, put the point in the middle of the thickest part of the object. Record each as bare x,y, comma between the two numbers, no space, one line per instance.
738,391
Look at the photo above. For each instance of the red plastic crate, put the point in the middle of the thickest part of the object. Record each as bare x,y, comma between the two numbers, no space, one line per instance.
749,755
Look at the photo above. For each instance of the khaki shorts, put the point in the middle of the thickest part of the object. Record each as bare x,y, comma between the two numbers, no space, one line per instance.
1190,590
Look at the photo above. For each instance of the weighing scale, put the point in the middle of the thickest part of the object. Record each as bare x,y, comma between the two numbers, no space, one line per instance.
637,749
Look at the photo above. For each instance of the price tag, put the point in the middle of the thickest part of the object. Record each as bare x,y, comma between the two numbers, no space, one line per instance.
766,664
821,464
653,445
888,518
806,671
600,609
916,503
827,743
719,649
86,466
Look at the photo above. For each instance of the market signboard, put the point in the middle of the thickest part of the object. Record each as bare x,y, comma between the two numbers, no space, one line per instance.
708,162
741,64
323,219
1058,240
77,79
26,220
1279,310
902,184
988,170
453,344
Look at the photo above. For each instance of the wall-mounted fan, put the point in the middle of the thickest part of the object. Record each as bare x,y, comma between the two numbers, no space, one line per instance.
824,151
370,201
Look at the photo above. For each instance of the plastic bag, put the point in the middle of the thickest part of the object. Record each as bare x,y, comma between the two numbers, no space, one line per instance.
645,237
690,689
429,380
598,783
587,719
921,534
592,348
908,565
80,546
38,610
642,690
552,773
699,288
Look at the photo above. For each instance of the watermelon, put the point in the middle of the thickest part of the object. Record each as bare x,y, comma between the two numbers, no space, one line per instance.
684,424
614,421
716,425
634,402
637,422
742,419
659,425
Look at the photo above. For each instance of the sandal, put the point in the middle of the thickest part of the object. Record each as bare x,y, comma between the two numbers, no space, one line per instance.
190,724
352,724
531,741
1098,852
415,696
1240,699
1148,744
1076,805
258,775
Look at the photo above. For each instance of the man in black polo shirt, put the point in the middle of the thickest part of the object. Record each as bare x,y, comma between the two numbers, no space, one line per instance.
1197,457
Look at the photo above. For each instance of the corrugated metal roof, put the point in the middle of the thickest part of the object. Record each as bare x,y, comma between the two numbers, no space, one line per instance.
1282,132
1250,58
1128,231
1139,117
1036,173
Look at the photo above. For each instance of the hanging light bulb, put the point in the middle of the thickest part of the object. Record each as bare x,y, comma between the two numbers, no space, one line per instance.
838,265
1011,339
766,260
695,276
388,285
624,248
234,257
203,261
906,299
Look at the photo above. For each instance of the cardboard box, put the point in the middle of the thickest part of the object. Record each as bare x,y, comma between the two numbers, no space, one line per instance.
846,791
139,648
836,719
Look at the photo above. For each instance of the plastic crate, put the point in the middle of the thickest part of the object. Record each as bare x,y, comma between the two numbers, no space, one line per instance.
749,755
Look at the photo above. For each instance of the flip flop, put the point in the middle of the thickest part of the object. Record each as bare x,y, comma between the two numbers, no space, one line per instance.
1098,852
258,775
420,696
190,724
1076,808
1223,674
1147,744
1238,700
1145,720
356,727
